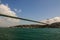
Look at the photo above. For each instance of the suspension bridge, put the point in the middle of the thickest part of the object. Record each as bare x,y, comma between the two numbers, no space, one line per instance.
24,20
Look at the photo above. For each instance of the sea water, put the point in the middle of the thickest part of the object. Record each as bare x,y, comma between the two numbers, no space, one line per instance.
29,33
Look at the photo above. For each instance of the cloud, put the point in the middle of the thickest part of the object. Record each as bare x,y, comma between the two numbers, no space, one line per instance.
5,21
52,20
18,11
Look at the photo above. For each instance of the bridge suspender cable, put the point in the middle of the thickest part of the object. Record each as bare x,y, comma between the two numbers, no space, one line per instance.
22,19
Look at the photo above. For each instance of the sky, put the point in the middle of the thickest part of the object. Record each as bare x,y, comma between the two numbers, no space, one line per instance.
34,9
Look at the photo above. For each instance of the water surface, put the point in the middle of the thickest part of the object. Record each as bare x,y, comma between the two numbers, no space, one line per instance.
29,33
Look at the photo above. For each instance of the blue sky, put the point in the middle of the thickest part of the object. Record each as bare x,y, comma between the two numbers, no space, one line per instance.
35,9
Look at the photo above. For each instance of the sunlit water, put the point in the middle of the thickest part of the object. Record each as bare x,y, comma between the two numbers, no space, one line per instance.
29,33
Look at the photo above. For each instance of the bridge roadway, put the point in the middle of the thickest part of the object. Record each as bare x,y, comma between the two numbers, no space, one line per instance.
26,20
22,19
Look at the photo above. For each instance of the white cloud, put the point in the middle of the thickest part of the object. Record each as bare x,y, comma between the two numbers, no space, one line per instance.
52,20
18,11
4,21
